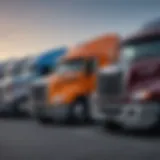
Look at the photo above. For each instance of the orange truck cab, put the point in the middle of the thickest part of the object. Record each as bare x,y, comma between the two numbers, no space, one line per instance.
69,89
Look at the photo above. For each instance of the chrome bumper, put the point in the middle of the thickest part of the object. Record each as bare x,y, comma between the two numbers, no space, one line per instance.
57,112
134,115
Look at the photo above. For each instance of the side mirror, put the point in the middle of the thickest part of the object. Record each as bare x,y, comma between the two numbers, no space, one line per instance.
90,67
88,70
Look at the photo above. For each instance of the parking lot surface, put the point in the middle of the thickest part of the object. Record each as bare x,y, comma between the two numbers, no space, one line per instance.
28,140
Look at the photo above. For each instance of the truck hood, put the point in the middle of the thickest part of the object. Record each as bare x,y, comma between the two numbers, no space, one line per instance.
58,80
67,89
68,85
144,73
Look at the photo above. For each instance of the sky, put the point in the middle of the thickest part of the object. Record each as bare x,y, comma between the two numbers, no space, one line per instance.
28,27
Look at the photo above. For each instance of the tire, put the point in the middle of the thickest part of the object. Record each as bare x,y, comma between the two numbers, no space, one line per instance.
42,119
111,126
27,108
79,112
29,111
17,109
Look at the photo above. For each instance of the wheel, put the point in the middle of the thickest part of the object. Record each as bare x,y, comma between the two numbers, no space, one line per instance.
28,109
18,108
15,109
79,112
42,118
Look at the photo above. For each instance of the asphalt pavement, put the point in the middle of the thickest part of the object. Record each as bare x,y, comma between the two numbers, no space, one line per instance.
27,140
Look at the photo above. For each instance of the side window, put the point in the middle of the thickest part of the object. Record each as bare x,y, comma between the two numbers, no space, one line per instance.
45,70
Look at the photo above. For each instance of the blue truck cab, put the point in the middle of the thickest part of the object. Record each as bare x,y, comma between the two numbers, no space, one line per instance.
44,66
46,62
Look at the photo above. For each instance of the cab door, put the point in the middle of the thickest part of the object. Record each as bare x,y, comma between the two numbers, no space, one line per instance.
91,71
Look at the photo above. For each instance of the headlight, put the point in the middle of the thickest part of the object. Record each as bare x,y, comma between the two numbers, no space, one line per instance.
141,95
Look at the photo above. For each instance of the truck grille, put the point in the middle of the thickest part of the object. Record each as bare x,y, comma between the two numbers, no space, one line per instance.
38,93
109,105
112,111
110,84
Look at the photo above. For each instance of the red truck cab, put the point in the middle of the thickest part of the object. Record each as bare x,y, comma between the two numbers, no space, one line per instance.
128,92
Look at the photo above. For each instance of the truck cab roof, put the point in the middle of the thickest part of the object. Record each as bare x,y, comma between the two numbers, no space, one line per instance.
50,56
148,30
94,48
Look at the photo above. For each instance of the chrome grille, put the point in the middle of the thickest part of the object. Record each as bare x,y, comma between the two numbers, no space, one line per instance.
110,84
112,111
109,106
38,93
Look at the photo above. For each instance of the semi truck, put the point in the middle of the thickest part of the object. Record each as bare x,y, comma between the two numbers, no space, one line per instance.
66,97
128,92
15,87
44,67
3,67
5,85
23,73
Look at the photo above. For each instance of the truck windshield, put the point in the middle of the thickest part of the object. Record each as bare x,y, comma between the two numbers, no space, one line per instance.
142,50
71,66
45,70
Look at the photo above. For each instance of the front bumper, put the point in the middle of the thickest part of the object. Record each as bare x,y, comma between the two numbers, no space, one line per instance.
56,112
10,103
6,109
95,109
134,116
6,105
